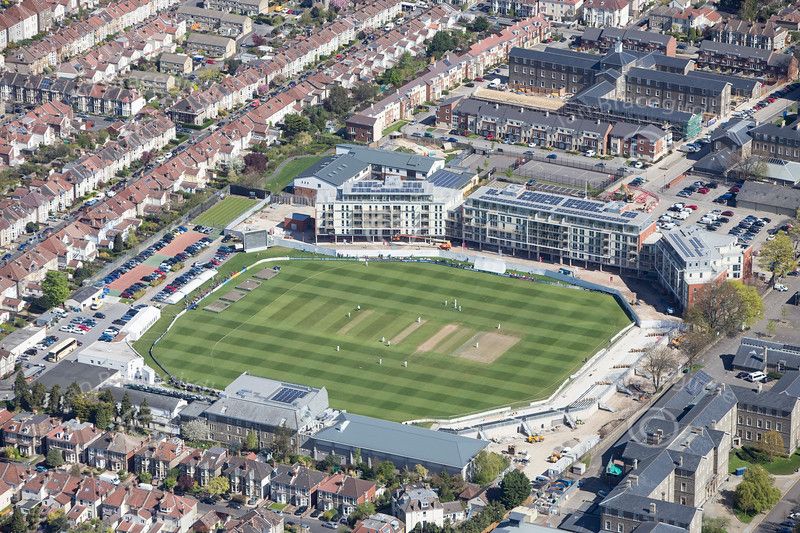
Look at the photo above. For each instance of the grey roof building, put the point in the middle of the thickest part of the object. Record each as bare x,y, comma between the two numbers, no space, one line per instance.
771,198
777,409
261,405
414,166
673,459
89,377
756,354
404,445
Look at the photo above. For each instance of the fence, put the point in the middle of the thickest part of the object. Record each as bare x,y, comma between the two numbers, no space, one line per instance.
626,306
250,192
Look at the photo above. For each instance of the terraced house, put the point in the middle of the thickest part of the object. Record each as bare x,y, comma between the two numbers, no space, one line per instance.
735,59
772,141
764,35
682,93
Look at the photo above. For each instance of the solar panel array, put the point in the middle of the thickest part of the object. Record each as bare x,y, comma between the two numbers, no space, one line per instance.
378,187
446,179
288,395
562,205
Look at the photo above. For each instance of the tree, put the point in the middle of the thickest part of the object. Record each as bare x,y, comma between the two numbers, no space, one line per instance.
489,465
55,458
331,462
338,101
144,416
54,401
194,430
38,396
718,308
362,510
259,40
255,162
748,167
757,492
185,483
282,443
749,10
18,523
752,304
421,471
659,363
55,288
72,397
364,92
777,256
102,415
119,245
385,471
22,392
31,227
57,521
217,486
126,411
479,25
251,442
693,343
294,124
772,444
145,477
448,486
441,43
514,488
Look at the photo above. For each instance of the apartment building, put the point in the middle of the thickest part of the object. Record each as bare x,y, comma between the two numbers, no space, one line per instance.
219,22
777,409
296,485
248,477
71,438
261,406
211,45
775,142
516,8
175,63
689,258
158,458
243,7
344,493
380,210
552,227
27,432
763,35
417,505
561,10
683,20
114,451
606,13
673,460
644,142
604,39
683,93
520,124
731,58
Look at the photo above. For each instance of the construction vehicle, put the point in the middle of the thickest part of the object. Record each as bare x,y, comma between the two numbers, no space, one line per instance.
554,457
535,438
445,245
676,342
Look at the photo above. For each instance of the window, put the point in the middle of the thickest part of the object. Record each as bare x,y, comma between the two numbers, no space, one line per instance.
748,435
768,424
759,423
620,528
683,487
608,525
778,426
749,422
758,436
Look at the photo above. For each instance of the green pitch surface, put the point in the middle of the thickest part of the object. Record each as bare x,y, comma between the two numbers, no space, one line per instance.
225,212
458,361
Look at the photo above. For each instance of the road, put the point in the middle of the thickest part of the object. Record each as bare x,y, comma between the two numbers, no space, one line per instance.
789,503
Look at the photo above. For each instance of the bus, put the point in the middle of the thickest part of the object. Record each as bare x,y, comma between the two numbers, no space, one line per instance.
62,349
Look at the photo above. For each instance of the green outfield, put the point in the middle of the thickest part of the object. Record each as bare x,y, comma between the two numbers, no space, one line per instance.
225,212
458,361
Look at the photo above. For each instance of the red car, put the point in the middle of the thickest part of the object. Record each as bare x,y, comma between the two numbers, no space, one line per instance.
733,189
727,213
692,207
771,99
703,190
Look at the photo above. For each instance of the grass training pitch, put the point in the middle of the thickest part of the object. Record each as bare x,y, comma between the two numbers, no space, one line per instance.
225,211
459,362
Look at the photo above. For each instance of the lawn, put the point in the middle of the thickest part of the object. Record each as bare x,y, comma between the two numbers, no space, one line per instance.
289,171
458,361
779,466
394,127
225,211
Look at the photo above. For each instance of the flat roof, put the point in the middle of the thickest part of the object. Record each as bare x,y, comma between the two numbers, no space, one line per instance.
88,377
401,440
531,101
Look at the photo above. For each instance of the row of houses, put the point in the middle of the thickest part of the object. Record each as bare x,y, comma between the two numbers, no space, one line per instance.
593,13
109,60
42,126
81,35
290,61
84,97
368,125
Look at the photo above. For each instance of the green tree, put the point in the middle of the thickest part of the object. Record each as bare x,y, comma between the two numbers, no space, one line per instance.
54,401
757,492
119,245
194,430
364,92
338,101
251,441
57,521
18,523
448,486
362,511
514,488
55,288
718,308
385,471
55,458
38,396
102,415
22,392
145,477
126,412
772,444
218,486
777,256
749,10
753,305
72,397
144,416
479,25
489,465
294,124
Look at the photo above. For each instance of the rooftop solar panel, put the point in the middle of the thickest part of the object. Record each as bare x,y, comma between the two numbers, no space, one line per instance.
288,395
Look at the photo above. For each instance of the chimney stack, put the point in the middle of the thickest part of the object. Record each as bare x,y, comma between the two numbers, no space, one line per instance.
652,507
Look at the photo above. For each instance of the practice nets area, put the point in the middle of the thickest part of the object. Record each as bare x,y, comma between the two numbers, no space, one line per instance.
395,340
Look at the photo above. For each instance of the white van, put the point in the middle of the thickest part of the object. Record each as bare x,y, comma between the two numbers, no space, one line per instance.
756,377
